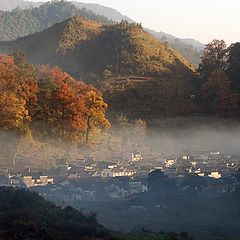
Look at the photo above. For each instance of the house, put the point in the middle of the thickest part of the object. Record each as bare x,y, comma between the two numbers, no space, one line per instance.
15,181
170,162
29,181
43,180
215,175
106,173
90,167
117,172
186,157
136,157
46,191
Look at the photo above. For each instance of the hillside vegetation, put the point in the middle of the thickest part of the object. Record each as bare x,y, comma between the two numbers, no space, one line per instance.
137,73
22,22
30,20
8,5
25,215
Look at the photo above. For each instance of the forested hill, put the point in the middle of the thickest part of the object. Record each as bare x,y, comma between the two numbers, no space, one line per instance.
8,5
125,61
23,22
25,215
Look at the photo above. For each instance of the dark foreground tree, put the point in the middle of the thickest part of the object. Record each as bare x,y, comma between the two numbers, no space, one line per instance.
220,97
233,69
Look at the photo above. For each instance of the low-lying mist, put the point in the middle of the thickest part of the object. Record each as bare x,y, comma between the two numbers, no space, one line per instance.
202,134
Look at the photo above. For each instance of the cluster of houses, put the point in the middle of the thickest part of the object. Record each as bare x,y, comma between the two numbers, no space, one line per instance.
86,179
204,164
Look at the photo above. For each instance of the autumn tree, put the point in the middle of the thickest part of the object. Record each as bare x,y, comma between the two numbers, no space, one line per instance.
25,79
54,100
7,80
214,58
13,106
219,94
96,108
13,111
70,109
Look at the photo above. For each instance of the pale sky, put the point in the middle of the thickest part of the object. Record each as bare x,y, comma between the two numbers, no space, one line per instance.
203,20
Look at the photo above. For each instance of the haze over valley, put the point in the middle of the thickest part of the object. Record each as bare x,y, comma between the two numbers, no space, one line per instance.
112,130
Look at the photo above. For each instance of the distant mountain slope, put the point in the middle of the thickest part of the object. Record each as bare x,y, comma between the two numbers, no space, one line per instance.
137,73
19,23
108,12
8,5
189,48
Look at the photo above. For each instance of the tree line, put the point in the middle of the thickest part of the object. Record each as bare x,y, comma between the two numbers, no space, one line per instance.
219,73
48,102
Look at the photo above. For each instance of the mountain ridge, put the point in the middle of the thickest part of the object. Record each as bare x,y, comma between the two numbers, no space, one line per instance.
21,23
131,67
189,48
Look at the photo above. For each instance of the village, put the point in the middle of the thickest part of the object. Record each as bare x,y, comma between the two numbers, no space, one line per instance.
86,179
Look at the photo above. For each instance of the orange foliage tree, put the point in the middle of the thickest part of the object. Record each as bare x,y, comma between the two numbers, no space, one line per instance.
13,111
56,103
95,116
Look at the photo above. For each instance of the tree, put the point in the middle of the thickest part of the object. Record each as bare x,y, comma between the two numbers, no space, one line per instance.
233,69
214,58
7,82
219,94
69,113
96,108
25,81
193,184
17,77
13,111
158,182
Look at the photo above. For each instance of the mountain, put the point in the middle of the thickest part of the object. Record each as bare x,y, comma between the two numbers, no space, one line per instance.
108,12
189,48
8,5
19,23
138,74
22,23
